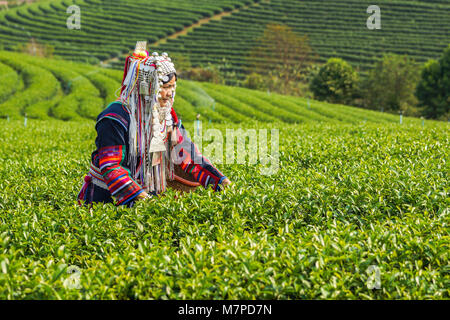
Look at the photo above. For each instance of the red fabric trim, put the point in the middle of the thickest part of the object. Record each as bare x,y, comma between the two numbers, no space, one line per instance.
125,71
174,116
119,183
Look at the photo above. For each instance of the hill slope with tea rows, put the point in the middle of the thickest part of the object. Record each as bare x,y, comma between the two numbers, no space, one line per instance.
44,88
110,28
335,28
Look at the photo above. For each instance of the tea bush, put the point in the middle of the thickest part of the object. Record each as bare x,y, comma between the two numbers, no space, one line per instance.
354,191
346,197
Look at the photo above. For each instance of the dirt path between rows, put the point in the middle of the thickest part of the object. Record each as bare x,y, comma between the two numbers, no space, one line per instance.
196,25
188,29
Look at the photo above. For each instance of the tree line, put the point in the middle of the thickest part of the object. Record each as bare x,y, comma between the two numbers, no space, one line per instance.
395,84
284,62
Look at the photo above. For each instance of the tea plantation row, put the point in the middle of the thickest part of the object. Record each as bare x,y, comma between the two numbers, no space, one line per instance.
335,29
107,28
46,88
347,199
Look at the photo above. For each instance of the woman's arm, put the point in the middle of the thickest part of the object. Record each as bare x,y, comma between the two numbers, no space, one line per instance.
198,165
111,146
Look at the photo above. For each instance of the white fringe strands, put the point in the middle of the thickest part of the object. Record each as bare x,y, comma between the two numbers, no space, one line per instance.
150,123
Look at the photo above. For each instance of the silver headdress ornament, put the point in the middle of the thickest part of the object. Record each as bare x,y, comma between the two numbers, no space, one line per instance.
149,121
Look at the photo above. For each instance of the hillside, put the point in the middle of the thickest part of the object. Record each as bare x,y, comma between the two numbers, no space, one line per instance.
44,88
108,27
335,28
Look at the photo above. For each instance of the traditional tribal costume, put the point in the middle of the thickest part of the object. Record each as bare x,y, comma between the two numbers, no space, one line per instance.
139,143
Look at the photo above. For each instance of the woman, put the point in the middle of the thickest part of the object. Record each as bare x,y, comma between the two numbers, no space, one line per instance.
140,140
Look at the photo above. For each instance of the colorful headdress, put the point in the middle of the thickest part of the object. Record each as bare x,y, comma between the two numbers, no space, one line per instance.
144,75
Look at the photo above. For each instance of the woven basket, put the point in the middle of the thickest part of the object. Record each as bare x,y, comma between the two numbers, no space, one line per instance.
188,185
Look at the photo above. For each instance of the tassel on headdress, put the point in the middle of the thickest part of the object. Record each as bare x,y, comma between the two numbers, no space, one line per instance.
143,77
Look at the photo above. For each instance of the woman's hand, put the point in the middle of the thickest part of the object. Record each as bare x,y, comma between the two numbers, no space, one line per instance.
143,195
226,182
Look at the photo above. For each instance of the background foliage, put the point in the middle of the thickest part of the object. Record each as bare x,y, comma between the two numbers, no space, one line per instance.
336,82
433,90
391,85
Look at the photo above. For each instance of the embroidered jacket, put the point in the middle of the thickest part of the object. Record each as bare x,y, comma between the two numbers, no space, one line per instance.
109,176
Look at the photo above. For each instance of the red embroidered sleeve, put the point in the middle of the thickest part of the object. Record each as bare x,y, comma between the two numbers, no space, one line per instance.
202,169
122,187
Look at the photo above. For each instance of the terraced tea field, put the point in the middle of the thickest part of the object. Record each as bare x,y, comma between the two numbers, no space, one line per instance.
42,89
335,28
346,197
110,28
355,192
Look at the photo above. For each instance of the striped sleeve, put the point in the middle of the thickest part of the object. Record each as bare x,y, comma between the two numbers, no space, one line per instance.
122,187
111,157
202,169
